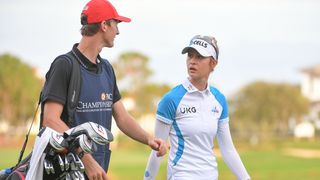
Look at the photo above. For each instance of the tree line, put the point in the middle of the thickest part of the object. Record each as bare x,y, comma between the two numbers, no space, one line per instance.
19,90
257,108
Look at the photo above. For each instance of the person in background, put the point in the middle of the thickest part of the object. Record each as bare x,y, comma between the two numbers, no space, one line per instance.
99,97
192,115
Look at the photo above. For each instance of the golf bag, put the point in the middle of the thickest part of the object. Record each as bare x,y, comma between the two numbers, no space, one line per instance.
18,172
57,156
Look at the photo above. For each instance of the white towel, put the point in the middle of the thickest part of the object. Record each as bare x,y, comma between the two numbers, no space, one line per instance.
35,171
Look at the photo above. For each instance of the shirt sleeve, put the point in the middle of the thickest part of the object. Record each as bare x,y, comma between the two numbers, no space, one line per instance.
229,152
225,113
162,132
57,80
166,110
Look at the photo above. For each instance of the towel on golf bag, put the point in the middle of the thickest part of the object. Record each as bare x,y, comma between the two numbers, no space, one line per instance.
35,171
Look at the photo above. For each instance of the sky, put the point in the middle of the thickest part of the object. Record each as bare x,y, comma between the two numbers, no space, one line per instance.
269,40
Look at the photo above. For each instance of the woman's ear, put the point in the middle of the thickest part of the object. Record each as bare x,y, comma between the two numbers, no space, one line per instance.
213,64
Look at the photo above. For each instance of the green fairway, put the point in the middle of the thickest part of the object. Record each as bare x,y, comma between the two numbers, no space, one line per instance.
131,163
262,165
9,156
274,163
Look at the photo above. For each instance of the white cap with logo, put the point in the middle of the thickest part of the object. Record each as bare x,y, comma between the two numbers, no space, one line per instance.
204,45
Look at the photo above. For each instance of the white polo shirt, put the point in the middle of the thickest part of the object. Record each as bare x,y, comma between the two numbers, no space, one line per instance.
194,116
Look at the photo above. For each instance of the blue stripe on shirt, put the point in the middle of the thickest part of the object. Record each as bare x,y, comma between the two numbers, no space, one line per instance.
180,143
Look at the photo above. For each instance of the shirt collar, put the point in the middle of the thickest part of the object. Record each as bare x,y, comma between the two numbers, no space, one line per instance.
191,88
87,64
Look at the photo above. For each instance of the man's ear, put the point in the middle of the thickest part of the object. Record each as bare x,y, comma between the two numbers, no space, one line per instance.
104,25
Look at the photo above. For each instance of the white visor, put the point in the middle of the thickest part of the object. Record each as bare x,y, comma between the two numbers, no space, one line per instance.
204,48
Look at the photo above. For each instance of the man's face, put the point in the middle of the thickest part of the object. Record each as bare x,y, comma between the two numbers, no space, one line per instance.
110,28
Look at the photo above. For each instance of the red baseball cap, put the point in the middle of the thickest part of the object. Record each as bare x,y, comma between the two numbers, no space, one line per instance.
101,10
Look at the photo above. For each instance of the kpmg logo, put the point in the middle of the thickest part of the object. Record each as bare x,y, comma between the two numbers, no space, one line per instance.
215,110
186,110
200,43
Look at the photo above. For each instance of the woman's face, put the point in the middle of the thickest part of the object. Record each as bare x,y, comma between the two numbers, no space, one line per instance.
199,67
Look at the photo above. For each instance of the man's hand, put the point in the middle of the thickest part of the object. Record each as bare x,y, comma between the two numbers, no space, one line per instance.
158,145
93,170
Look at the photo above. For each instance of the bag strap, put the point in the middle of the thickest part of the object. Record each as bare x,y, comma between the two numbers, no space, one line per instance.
27,136
73,96
74,86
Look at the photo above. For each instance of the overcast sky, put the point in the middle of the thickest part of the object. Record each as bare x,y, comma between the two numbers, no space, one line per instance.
258,39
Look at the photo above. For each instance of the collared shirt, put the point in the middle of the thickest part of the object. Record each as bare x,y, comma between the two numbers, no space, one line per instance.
194,116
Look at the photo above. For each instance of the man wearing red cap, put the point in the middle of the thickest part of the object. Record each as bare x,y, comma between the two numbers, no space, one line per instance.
99,97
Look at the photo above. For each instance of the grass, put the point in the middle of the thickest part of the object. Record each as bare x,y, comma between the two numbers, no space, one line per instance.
129,162
261,165
9,156
265,165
